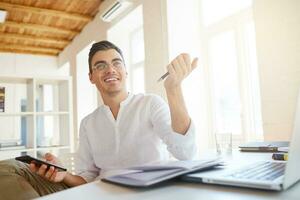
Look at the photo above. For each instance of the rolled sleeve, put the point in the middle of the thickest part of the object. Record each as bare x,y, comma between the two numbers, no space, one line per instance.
182,147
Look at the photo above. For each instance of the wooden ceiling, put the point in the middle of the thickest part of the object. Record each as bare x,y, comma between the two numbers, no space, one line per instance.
43,26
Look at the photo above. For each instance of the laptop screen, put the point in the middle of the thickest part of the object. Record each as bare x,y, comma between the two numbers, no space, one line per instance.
291,171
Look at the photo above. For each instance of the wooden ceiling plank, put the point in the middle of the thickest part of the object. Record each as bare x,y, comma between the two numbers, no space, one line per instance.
27,52
45,11
34,38
28,47
39,27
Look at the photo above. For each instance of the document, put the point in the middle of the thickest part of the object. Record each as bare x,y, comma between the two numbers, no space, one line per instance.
148,175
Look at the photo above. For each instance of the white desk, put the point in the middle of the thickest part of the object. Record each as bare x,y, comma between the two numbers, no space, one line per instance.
178,190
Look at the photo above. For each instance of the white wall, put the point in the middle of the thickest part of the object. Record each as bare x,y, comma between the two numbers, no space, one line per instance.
156,44
277,26
30,65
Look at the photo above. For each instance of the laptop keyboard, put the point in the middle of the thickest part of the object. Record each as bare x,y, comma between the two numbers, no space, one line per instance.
260,171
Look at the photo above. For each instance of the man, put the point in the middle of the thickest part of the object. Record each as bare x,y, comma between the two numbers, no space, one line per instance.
127,129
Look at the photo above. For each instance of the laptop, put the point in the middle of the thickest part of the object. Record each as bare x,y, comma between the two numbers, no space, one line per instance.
264,174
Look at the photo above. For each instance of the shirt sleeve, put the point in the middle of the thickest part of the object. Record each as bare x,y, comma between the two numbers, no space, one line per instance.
182,147
84,162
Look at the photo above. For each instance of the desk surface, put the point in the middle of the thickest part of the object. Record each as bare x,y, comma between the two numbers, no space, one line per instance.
178,189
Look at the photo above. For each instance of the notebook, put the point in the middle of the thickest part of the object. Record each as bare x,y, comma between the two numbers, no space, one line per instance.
269,175
151,174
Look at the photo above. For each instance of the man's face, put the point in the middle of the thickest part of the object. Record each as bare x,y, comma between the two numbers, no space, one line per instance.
108,72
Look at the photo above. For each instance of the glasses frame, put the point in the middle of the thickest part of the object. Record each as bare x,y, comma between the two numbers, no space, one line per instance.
116,64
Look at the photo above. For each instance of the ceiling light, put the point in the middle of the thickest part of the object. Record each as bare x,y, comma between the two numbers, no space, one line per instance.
2,15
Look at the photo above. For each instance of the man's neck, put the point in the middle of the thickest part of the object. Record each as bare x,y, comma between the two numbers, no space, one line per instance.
113,101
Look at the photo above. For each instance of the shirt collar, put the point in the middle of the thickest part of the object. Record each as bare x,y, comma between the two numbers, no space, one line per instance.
127,100
124,102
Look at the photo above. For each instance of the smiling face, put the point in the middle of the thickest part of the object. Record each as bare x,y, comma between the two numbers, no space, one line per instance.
108,73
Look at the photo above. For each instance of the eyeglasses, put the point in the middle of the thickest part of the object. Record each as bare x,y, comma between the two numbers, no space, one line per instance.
101,65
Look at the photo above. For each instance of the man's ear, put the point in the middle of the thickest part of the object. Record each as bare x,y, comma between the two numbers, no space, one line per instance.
91,78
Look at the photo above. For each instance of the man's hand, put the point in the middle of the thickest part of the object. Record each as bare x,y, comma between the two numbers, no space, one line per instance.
178,69
51,174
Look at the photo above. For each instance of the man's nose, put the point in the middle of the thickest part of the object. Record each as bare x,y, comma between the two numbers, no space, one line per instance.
110,68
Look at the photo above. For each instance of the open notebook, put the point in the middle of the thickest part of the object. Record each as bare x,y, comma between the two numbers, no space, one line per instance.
147,175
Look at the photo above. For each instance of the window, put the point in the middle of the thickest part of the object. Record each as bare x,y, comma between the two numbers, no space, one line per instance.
222,95
137,60
229,35
225,83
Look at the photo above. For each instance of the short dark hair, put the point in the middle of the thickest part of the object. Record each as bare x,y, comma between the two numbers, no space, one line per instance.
102,46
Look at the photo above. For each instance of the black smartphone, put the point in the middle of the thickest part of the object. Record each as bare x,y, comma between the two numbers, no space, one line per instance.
38,162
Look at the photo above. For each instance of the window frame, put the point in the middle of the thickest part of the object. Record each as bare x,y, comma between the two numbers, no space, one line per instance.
140,64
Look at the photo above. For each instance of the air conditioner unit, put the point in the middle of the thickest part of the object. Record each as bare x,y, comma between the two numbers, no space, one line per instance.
110,9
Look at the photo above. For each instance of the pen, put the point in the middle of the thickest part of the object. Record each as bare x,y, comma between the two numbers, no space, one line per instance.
280,156
163,77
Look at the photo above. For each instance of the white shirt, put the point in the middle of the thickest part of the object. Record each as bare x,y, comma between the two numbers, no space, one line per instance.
141,134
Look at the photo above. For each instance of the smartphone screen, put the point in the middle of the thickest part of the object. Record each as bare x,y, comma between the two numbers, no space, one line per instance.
28,159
